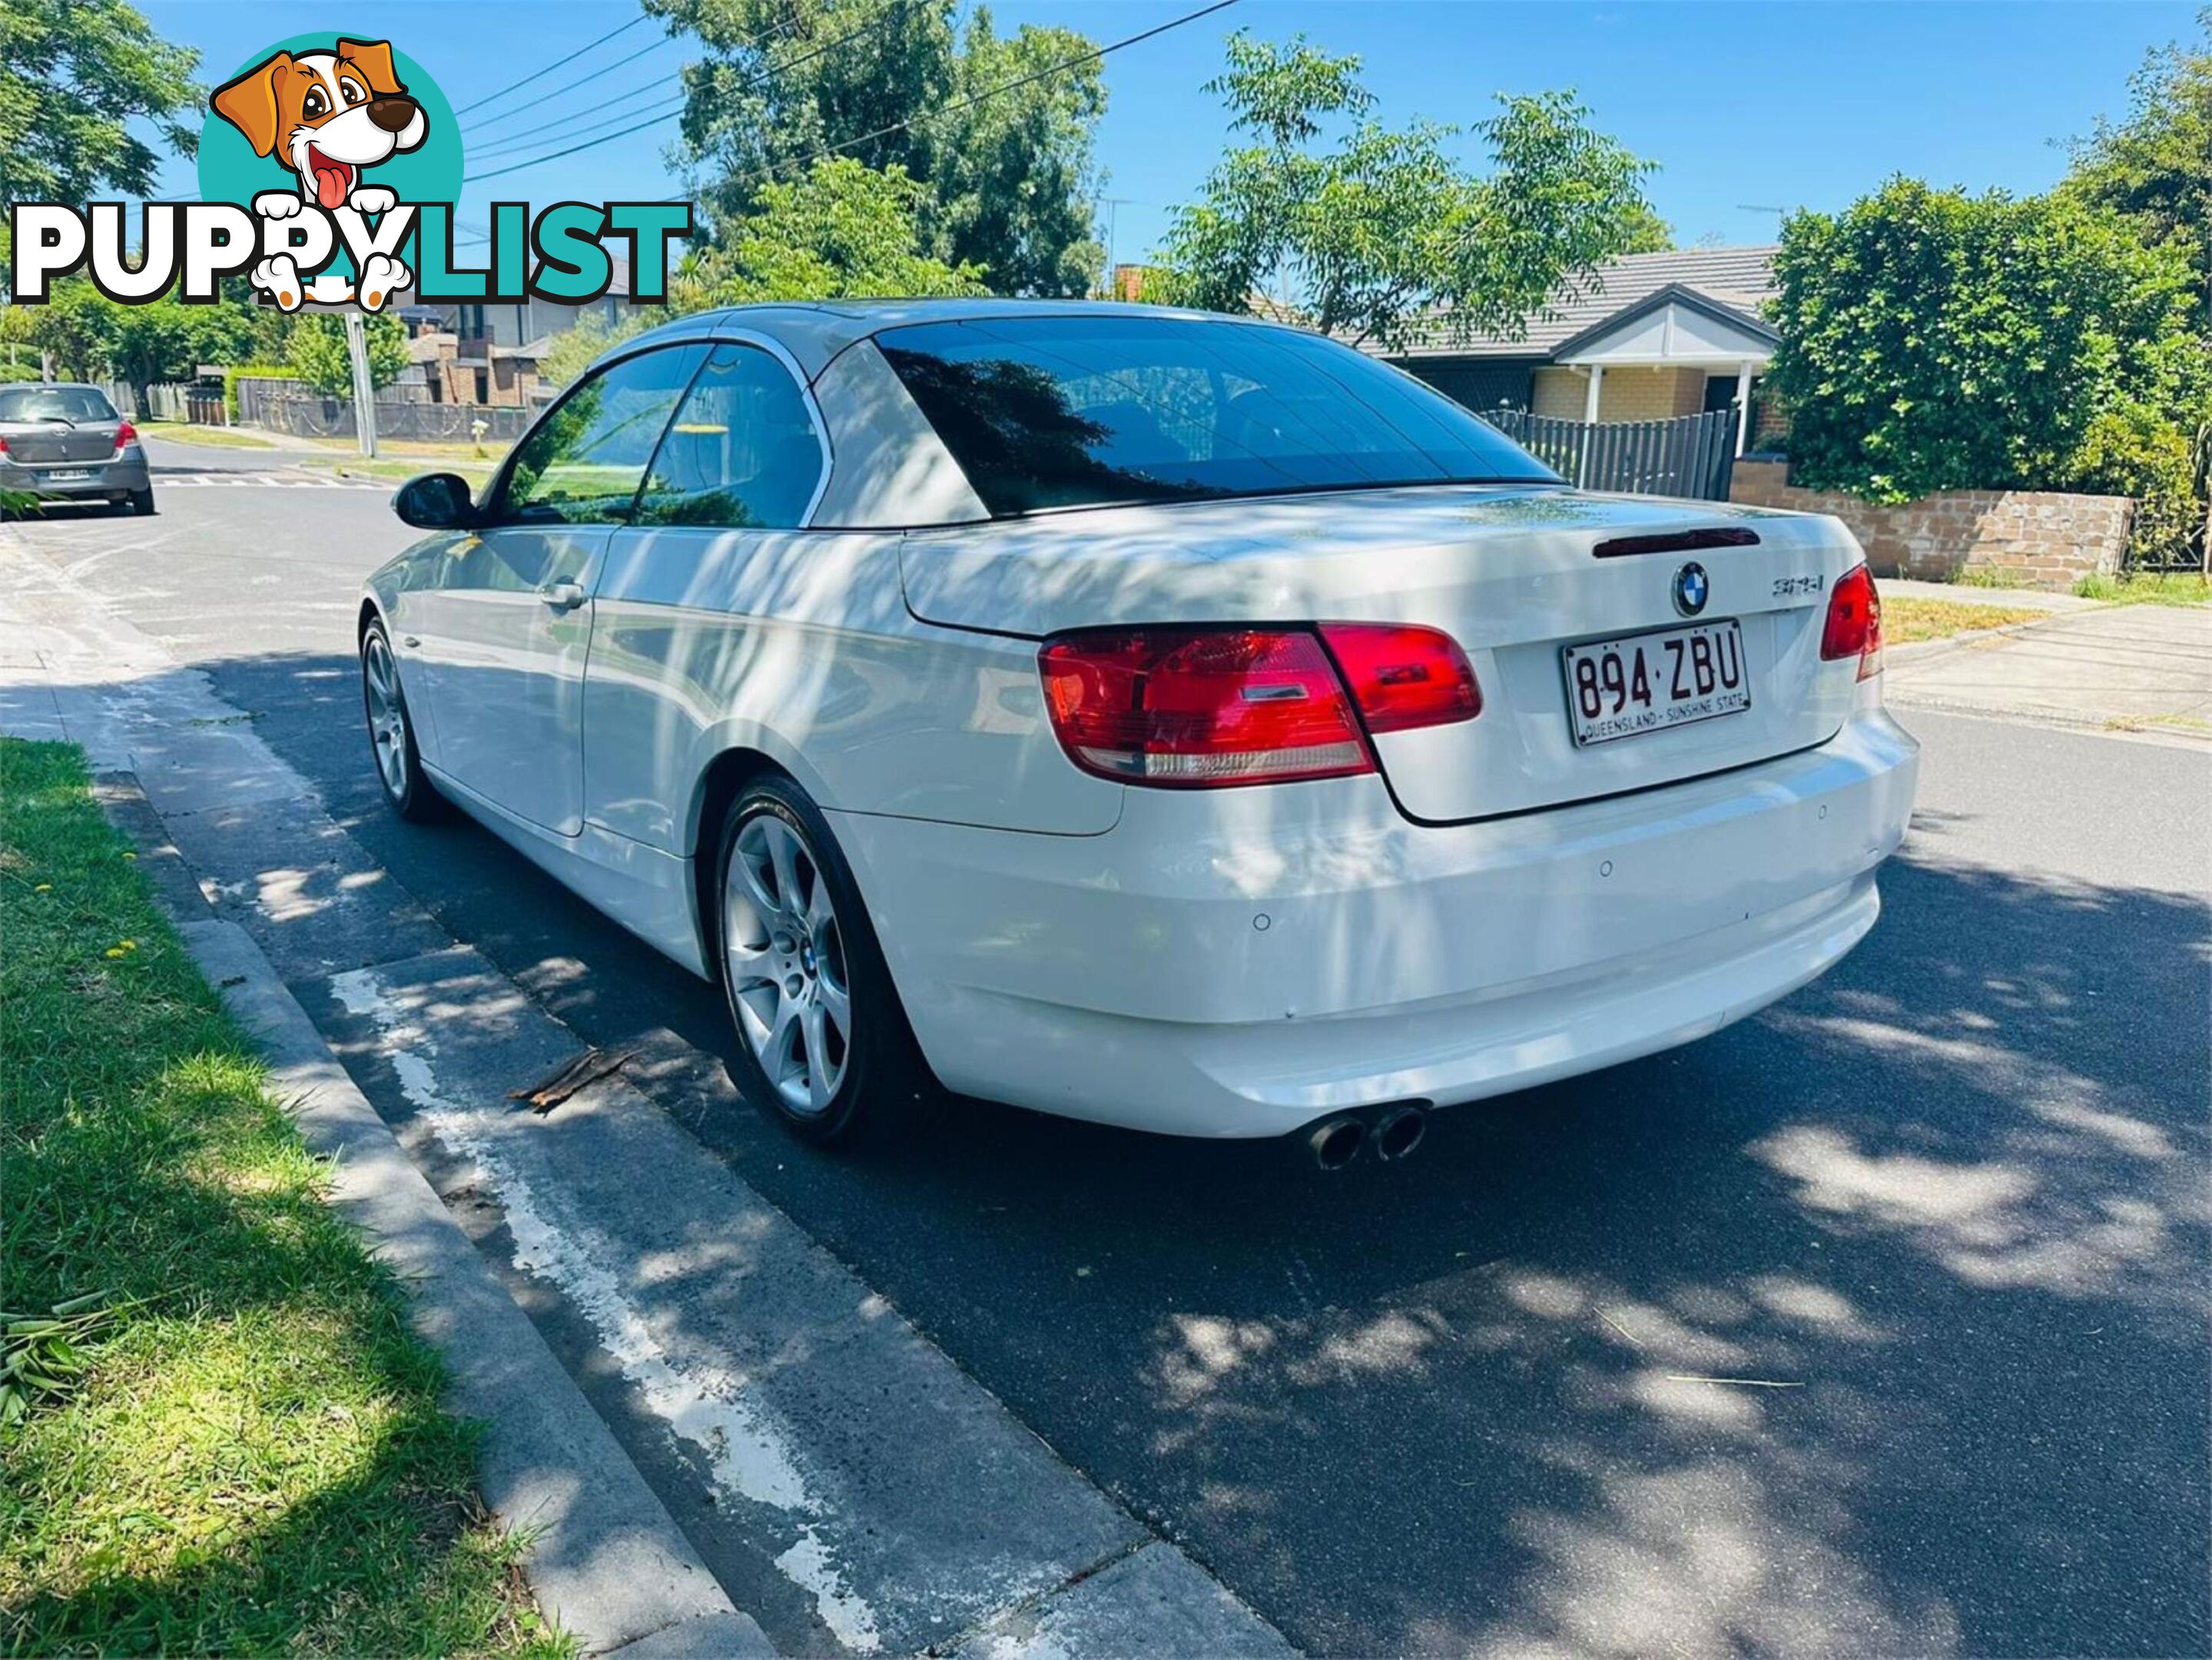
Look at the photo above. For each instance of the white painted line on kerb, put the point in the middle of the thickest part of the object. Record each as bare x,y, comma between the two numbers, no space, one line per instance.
748,1454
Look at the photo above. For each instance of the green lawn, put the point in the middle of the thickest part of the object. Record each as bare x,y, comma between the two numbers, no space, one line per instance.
2147,588
186,432
1906,621
246,1455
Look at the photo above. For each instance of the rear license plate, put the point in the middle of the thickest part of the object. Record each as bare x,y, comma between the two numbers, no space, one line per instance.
65,475
1650,682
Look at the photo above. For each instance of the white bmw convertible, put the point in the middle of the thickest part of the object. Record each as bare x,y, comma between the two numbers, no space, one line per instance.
1172,720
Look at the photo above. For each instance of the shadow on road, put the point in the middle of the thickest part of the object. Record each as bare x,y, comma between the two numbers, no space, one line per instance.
1876,1323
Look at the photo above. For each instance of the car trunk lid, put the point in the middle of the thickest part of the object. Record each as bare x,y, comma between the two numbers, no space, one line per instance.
39,444
1514,574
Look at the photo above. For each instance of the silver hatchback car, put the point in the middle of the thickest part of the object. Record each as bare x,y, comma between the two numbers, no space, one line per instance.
66,443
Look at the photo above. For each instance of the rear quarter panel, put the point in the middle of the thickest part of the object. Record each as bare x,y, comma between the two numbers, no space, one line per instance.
798,644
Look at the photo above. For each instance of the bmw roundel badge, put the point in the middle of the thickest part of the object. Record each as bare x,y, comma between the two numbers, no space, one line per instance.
1690,589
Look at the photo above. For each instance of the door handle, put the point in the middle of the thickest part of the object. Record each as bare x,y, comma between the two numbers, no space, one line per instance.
563,595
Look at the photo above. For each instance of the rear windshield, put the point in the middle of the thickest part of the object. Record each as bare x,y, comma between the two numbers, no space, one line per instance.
52,403
1063,411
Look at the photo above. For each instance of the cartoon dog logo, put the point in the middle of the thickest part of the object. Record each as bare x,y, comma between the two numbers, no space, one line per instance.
328,115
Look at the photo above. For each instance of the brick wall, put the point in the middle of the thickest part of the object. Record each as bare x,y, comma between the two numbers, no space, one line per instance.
2039,539
1628,394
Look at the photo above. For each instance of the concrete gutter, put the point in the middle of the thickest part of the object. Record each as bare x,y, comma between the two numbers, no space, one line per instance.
605,1559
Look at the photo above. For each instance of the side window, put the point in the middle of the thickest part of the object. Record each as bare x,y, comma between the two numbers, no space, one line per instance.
583,463
742,452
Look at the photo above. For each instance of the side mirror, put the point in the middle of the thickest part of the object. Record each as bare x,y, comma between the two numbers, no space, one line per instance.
436,500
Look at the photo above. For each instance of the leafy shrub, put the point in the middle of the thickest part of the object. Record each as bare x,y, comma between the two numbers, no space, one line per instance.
1932,340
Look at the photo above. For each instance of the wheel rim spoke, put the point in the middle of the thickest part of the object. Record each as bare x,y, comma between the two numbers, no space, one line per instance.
784,959
387,717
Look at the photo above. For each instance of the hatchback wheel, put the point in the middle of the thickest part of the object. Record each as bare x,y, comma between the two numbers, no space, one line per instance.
142,503
391,731
821,1039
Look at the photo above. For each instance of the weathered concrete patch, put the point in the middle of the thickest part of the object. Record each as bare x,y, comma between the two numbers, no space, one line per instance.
606,1559
895,1494
308,892
1154,1601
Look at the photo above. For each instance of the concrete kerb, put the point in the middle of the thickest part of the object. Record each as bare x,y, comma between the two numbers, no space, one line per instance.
605,1559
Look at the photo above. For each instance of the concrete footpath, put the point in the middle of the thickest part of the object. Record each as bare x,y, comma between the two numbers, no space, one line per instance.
695,1409
2141,669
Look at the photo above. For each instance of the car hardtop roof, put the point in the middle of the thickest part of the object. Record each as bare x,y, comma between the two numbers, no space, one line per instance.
816,331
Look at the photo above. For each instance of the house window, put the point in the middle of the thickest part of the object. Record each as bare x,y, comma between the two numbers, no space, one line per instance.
483,385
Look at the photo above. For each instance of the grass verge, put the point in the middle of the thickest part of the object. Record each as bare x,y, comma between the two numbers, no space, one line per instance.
247,1455
1906,621
2180,587
188,432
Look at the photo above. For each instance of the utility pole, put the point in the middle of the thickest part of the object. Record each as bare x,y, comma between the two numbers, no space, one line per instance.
364,394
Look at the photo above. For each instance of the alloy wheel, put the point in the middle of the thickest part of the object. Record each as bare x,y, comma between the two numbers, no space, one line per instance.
387,715
785,955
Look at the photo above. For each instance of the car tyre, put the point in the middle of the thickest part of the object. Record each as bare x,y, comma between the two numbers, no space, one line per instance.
391,731
142,503
821,1039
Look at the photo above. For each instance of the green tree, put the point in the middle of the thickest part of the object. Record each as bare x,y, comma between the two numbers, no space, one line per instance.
2155,166
1932,340
1647,233
161,340
75,328
74,75
1377,226
1008,178
316,351
838,231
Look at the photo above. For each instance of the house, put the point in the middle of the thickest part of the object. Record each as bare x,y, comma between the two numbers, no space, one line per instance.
475,353
1646,336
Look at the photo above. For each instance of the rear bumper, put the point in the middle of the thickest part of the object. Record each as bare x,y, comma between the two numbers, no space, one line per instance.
1238,963
104,481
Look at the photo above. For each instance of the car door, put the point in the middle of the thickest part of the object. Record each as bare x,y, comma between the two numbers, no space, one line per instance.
508,629
688,608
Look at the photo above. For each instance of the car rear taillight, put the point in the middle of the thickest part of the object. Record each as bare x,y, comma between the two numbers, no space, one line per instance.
3,446
1201,707
1404,677
125,433
1854,625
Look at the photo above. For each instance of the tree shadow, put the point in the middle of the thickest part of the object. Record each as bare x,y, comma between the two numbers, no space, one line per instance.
1942,1215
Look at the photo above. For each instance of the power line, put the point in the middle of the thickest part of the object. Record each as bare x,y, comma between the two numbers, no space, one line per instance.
508,146
490,98
765,72
954,108
581,80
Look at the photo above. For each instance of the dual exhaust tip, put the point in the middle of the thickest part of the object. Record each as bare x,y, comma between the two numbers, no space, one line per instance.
1338,1143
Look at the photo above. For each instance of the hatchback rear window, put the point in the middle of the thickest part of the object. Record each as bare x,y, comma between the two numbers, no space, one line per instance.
1061,411
54,404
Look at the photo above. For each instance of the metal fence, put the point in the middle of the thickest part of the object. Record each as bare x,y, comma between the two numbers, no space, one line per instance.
289,407
1692,455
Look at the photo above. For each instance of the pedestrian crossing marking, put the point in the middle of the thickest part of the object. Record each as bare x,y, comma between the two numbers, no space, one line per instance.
264,481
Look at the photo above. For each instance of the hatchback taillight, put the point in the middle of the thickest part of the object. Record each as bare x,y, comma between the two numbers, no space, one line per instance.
1200,708
1854,625
125,433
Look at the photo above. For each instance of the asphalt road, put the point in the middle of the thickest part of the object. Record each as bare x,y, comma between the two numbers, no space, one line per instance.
1945,1211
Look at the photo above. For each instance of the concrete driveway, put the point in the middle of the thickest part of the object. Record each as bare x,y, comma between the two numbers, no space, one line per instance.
2140,668
1876,1323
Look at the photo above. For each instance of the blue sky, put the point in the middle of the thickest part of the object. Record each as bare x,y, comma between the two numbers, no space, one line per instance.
1744,106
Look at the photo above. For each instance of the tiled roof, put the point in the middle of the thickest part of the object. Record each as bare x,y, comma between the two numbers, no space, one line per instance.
1740,278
